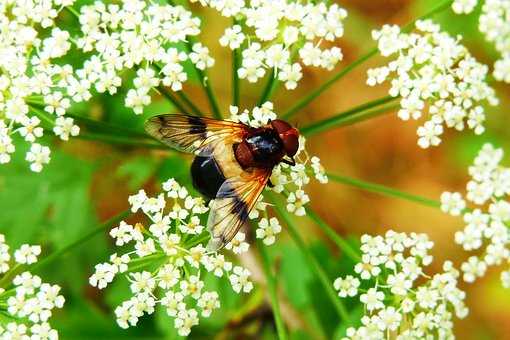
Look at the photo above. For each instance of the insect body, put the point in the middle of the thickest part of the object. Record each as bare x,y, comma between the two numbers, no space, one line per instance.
232,165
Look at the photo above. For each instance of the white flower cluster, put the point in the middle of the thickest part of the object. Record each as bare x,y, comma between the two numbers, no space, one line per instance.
137,34
432,71
271,32
286,179
399,297
168,261
486,230
30,75
30,302
495,24
464,6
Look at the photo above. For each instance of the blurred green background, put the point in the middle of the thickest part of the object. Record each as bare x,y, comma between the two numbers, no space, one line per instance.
89,181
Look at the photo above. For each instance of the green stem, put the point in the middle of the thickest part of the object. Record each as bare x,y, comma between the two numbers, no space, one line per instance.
236,63
9,276
180,94
439,8
73,12
99,124
109,223
204,80
331,233
43,115
269,88
190,104
321,274
384,190
120,140
197,240
316,93
202,77
271,285
346,117
172,99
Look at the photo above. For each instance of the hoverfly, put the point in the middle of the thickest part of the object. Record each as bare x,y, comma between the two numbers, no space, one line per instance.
232,165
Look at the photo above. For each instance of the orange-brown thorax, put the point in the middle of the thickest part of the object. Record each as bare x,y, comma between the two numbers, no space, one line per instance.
266,146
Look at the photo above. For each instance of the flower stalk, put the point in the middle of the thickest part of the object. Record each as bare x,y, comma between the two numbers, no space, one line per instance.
271,285
383,190
79,242
361,60
330,232
356,114
316,267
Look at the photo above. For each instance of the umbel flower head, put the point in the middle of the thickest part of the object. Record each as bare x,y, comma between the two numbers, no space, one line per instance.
271,33
434,75
400,299
167,261
137,34
495,25
286,179
26,300
34,87
488,220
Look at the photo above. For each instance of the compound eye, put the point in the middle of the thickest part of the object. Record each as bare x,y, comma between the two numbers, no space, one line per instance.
291,144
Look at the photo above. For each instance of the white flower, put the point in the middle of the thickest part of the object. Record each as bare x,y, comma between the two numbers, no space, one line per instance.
238,244
473,268
6,148
389,319
372,299
185,320
452,203
137,99
200,56
145,80
193,226
233,37
166,264
38,156
30,302
268,229
239,279
308,23
397,292
296,202
141,282
464,6
56,103
64,127
125,233
429,134
434,75
485,225
27,254
493,23
103,275
31,129
290,74
208,302
347,287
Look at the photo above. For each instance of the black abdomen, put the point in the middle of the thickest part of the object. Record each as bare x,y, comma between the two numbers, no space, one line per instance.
206,176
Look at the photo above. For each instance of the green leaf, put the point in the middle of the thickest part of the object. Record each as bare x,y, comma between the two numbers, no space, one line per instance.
53,204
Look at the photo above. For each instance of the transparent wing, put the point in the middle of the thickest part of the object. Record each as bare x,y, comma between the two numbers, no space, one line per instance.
232,205
193,134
